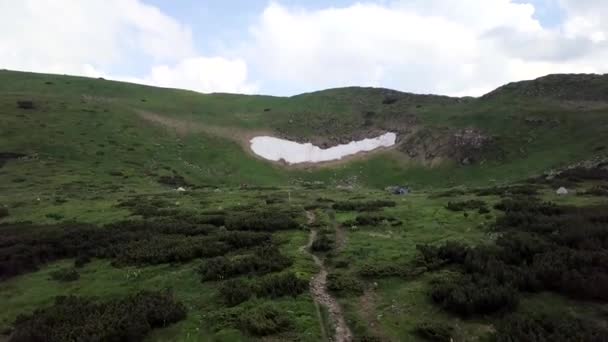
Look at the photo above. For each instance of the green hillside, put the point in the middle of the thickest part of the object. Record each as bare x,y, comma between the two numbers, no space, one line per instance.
98,244
81,124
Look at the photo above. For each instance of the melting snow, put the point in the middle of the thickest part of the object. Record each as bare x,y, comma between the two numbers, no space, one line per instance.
276,149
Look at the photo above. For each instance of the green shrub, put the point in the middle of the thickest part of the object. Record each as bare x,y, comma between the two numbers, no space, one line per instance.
55,216
344,284
174,181
3,212
363,205
235,291
81,319
264,260
468,295
435,331
261,220
323,243
82,260
555,327
65,275
280,285
265,319
466,205
374,219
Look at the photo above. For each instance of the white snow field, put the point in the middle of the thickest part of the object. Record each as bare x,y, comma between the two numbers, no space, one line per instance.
275,149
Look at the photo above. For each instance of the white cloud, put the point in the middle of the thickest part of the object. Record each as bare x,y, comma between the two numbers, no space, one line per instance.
202,74
109,37
458,47
438,46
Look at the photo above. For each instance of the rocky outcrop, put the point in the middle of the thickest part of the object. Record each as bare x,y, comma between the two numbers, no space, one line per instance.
464,146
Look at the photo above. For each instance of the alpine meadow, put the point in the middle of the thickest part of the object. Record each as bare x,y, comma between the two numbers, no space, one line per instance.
131,212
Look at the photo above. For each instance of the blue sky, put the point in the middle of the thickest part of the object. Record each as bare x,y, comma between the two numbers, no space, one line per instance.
285,47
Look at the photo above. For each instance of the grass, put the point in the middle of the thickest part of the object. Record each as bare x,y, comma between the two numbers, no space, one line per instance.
87,128
87,150
401,302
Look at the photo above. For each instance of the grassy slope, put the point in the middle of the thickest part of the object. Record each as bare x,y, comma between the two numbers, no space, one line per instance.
85,128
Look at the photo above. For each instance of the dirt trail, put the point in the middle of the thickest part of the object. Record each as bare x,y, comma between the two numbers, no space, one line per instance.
367,305
318,288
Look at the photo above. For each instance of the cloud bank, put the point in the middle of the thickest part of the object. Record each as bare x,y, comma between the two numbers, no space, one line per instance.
454,47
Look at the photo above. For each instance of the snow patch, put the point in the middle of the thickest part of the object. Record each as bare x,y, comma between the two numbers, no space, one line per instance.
276,149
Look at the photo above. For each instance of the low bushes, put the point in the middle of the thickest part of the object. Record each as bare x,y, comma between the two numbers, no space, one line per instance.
81,319
435,331
467,205
373,220
555,327
280,285
236,291
542,247
264,260
600,190
263,320
344,284
65,275
24,247
580,174
322,243
26,104
363,205
174,181
514,190
470,295
261,220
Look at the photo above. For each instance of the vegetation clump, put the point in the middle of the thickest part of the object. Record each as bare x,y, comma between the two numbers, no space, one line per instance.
373,205
3,212
24,247
237,291
81,319
323,243
262,220
542,247
173,180
264,260
435,331
467,205
344,284
65,275
554,327
26,104
265,319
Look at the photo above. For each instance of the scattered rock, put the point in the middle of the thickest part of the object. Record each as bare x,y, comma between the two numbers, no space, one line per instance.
562,191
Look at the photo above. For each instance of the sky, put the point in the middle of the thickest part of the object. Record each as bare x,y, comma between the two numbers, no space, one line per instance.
287,47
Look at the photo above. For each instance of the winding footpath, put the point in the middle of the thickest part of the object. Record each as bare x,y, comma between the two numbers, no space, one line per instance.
318,289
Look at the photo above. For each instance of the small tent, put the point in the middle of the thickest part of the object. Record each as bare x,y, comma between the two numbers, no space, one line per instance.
562,191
